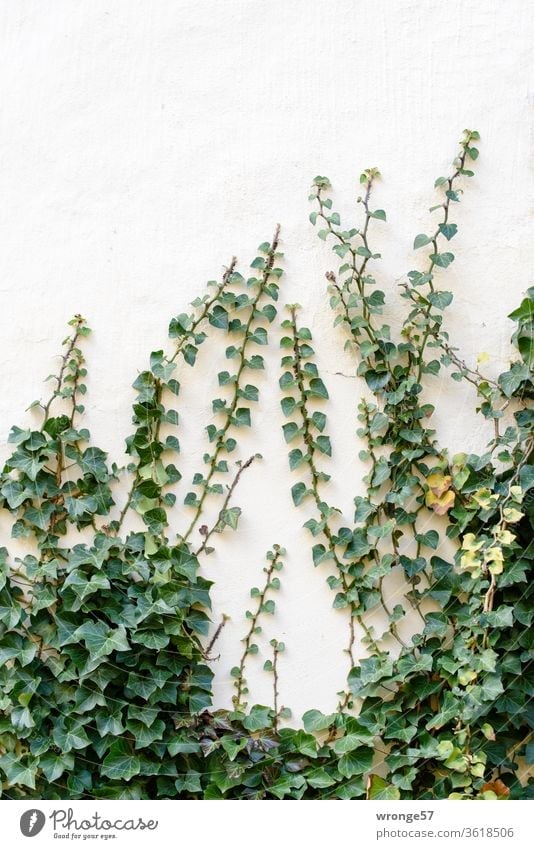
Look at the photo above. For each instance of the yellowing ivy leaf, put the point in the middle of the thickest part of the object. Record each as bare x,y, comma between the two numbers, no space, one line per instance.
439,483
440,504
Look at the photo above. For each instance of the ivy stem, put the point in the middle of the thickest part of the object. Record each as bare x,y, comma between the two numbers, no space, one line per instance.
357,272
217,634
315,478
235,400
196,324
434,240
275,687
206,309
79,322
231,489
240,682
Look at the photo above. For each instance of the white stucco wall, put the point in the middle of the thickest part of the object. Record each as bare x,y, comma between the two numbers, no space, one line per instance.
143,143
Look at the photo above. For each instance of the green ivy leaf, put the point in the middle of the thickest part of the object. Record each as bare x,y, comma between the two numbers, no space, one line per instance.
15,647
440,300
376,380
100,639
218,317
510,381
298,493
442,260
378,789
242,417
320,779
120,764
421,240
54,765
70,734
17,772
430,539
318,389
502,617
356,762
258,718
526,477
314,720
448,230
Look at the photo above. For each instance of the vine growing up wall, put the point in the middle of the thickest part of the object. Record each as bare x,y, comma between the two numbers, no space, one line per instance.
106,642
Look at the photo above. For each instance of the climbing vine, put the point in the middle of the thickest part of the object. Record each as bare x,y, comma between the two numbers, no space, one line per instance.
451,706
106,643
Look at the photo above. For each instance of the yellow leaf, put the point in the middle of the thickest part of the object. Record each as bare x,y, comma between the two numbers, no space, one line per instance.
465,676
505,537
440,504
512,515
484,498
488,731
471,543
470,562
439,483
495,559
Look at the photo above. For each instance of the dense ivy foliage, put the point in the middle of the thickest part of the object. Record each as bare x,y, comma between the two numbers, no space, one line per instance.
105,640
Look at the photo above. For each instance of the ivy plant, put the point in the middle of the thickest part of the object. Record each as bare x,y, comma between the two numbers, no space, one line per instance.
106,641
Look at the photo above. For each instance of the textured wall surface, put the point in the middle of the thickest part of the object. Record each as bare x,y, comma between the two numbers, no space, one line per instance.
143,143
